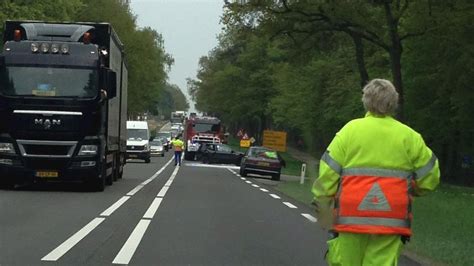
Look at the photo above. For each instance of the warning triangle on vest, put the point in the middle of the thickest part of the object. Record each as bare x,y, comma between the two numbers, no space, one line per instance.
374,200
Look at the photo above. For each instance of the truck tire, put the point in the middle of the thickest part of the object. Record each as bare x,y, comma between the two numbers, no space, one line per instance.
97,183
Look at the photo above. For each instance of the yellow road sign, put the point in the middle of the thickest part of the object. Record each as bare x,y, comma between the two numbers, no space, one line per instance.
275,140
245,143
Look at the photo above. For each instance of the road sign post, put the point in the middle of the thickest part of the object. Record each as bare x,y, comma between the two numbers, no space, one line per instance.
303,173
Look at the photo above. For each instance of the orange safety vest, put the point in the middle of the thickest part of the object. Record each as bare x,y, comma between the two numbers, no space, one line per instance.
374,200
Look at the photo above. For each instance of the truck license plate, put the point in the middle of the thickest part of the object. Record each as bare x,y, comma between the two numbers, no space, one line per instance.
47,174
133,156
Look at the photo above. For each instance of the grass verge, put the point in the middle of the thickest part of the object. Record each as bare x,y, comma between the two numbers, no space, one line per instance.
443,223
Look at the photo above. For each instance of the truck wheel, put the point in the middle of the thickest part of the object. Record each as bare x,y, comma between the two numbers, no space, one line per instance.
276,177
97,183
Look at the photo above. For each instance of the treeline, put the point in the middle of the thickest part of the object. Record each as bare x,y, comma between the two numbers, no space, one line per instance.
300,66
147,60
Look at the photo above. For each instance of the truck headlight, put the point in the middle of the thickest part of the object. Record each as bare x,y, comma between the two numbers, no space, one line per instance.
7,148
88,150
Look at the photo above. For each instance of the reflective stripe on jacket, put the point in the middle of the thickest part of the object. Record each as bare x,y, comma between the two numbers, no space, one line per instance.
373,167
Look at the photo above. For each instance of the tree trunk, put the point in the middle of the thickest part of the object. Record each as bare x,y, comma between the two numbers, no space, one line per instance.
395,51
359,52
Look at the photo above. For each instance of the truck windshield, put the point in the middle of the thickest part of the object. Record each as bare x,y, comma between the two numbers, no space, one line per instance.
137,134
48,82
206,128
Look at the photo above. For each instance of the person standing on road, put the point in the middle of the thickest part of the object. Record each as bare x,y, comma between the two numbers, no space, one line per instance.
178,150
367,177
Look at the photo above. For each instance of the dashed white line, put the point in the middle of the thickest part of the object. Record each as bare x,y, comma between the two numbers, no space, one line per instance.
135,190
115,206
290,205
153,208
310,217
243,178
126,253
253,185
274,196
248,182
264,190
162,192
72,241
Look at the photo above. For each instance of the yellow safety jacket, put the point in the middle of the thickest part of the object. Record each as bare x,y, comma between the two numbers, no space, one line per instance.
178,144
371,169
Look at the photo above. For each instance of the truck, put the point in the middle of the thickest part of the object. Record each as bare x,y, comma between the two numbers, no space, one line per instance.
199,130
63,103
177,117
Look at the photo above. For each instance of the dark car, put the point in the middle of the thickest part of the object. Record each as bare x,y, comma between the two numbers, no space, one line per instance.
219,153
262,161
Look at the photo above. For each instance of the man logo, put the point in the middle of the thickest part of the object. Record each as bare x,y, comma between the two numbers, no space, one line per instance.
47,123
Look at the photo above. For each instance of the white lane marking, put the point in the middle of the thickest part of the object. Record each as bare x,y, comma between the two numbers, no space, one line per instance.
274,196
162,192
79,235
72,241
212,165
253,185
243,178
168,183
290,205
309,217
126,253
248,182
153,208
115,206
264,190
135,190
165,188
157,173
232,171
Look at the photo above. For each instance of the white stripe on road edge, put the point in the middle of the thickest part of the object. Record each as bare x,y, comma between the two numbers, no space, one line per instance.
127,251
162,192
248,182
62,249
290,205
165,188
157,173
264,190
135,190
232,171
211,166
243,178
115,206
309,217
275,196
153,208
253,185
72,241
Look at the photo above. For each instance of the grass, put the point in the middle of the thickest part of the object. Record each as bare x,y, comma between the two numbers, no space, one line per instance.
293,166
443,223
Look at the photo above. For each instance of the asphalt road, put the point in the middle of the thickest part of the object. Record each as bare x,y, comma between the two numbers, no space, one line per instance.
159,214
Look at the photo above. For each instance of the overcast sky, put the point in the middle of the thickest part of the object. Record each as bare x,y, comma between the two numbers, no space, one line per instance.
189,29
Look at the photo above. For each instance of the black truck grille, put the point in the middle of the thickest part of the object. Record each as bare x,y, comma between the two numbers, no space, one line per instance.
47,149
135,148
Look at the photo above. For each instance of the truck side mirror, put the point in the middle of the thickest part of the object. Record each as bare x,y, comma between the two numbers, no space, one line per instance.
108,81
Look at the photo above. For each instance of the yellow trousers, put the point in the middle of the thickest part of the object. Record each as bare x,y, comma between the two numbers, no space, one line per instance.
350,249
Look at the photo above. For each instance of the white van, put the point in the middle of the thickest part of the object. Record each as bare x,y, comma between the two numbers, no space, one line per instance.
138,140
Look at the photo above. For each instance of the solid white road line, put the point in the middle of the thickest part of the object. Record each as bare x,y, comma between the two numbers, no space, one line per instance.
253,185
131,245
274,196
72,241
212,166
135,190
290,205
153,208
115,206
264,190
309,217
162,192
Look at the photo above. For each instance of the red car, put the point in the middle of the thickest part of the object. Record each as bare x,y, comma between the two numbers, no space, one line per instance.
262,161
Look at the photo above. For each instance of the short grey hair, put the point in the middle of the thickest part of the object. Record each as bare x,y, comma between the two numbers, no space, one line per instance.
380,97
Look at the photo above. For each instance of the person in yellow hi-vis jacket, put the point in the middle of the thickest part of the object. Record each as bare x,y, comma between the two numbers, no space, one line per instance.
178,146
367,178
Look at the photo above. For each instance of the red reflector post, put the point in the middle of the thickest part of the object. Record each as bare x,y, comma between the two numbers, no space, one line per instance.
86,38
17,35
